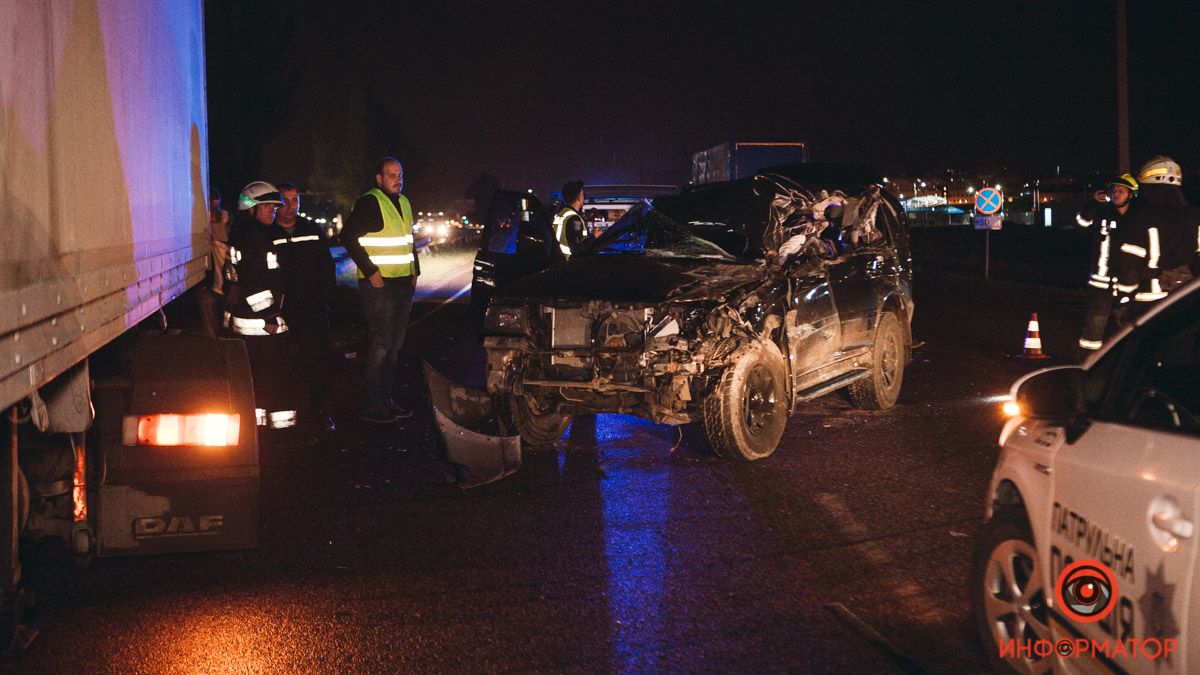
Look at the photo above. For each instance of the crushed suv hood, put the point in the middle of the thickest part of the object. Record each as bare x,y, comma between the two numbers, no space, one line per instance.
630,278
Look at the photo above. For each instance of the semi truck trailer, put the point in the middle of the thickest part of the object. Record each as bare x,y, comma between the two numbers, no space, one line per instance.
121,440
739,159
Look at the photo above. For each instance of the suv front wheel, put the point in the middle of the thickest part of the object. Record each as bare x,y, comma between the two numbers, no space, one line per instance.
746,413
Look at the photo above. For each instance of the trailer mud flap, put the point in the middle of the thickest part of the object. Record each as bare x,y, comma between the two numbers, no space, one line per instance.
162,490
471,430
163,514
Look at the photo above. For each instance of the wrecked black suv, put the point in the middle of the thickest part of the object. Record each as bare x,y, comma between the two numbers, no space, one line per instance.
728,304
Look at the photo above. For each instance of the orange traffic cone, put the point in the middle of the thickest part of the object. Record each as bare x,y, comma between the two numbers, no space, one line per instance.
1033,341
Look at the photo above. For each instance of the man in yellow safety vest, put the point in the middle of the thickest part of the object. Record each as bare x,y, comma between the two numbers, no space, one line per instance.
569,228
379,238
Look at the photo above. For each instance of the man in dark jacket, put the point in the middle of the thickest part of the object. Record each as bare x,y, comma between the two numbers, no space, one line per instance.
308,283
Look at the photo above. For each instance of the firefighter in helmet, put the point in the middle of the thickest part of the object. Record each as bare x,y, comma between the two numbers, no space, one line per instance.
1156,243
1103,218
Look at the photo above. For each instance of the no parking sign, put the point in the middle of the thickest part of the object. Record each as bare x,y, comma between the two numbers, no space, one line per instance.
988,203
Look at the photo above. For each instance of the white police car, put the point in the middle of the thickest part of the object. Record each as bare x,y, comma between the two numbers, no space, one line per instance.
1099,463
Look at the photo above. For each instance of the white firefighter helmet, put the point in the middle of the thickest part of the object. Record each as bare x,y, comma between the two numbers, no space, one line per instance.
258,192
1161,170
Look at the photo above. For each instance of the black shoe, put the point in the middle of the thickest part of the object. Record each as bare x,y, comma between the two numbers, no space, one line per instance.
379,416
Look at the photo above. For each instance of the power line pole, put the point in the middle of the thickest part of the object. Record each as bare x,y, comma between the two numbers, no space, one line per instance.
1122,90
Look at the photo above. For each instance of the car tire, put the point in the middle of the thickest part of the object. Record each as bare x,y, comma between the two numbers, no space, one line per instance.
745,415
880,389
538,428
1008,591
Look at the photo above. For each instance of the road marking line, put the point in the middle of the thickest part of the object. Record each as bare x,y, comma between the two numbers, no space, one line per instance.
464,289
911,595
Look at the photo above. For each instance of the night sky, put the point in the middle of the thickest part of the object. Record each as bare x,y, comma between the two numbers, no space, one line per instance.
539,93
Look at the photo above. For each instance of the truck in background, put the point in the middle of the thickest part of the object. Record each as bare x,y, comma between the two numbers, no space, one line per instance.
739,159
120,442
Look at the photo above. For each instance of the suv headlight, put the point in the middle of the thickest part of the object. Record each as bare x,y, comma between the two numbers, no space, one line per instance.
506,320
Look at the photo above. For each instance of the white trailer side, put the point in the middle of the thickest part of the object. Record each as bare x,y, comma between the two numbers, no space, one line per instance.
103,175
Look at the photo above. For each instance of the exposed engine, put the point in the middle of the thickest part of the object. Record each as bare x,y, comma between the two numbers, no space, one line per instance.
653,362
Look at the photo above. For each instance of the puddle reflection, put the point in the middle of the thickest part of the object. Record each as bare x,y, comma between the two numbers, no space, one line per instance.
635,498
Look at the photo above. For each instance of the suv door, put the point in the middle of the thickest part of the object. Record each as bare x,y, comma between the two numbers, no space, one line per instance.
813,329
861,277
1126,492
517,241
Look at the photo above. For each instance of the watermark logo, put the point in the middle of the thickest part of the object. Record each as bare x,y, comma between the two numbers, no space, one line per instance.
1150,649
1086,591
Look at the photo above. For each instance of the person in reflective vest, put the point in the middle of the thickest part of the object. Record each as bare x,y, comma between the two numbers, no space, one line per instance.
379,238
569,228
1102,214
1157,243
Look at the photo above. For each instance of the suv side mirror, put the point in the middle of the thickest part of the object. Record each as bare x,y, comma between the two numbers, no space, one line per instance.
1055,393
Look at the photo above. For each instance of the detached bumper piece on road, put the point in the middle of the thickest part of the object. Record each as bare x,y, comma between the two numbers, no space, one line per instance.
471,431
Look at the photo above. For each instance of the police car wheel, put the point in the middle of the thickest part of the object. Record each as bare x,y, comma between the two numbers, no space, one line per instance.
1008,592
746,413
880,389
538,426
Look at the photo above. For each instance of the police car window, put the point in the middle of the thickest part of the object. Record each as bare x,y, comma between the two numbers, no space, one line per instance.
1162,386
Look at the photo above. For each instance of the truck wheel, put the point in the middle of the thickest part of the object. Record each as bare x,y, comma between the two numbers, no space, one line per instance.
746,413
1008,593
538,427
880,389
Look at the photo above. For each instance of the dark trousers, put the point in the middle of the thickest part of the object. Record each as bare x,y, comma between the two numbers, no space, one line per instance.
312,357
1096,321
386,310
211,307
277,386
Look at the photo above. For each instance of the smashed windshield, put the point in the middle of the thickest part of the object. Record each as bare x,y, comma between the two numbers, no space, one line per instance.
645,230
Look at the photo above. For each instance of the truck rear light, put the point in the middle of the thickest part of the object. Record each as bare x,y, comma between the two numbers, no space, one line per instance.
209,429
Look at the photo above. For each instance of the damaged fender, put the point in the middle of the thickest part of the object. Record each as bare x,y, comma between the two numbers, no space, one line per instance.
474,438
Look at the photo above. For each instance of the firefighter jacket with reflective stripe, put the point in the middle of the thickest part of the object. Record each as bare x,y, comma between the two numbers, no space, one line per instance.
308,273
1155,249
1102,219
391,248
254,280
568,230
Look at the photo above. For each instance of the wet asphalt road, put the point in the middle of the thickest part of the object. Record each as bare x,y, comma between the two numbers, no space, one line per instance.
628,548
